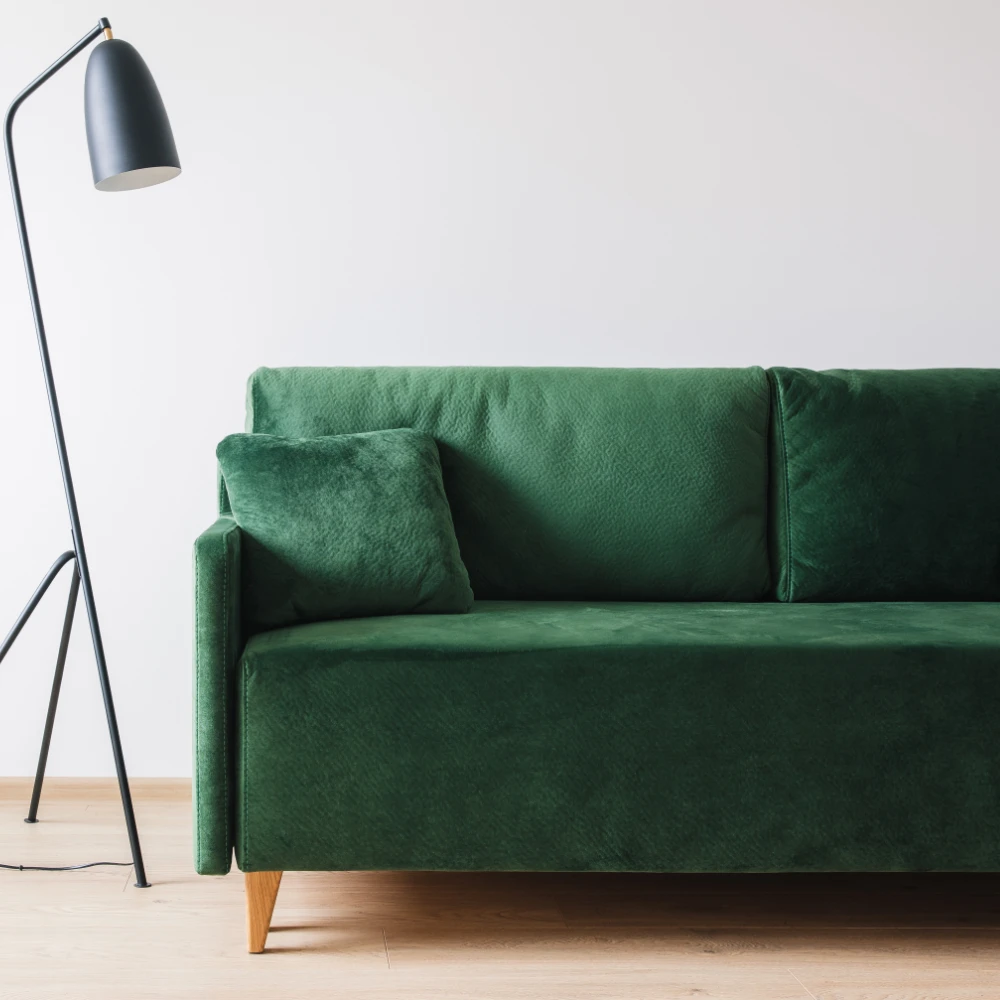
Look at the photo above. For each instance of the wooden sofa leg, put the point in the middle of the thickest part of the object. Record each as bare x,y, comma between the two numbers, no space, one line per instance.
262,890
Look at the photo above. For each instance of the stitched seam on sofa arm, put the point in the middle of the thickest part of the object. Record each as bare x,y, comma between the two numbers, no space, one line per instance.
244,854
197,698
229,594
226,653
216,553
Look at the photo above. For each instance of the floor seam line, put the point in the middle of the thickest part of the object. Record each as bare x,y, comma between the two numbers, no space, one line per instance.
803,985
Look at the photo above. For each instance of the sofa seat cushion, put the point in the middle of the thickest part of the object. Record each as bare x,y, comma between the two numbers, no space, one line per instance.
625,737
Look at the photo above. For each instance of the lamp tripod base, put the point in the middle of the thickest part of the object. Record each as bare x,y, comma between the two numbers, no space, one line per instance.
43,754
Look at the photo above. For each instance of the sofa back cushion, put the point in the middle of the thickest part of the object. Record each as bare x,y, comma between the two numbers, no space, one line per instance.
570,483
886,485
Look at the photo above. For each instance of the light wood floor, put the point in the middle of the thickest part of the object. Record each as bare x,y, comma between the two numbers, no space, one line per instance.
489,936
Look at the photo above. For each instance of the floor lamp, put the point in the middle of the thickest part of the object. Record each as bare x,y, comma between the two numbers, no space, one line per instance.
131,146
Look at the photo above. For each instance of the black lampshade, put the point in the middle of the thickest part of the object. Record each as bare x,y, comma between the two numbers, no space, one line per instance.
131,145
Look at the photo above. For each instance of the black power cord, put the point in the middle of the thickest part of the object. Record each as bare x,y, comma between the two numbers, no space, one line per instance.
64,868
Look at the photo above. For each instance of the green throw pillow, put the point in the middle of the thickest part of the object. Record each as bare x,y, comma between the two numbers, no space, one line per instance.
340,527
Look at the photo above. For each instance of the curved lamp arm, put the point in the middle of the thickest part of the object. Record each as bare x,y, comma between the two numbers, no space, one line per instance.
103,26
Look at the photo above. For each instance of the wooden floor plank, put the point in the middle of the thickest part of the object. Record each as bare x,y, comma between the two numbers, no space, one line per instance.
487,936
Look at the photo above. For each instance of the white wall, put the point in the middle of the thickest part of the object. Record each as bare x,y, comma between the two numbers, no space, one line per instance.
569,182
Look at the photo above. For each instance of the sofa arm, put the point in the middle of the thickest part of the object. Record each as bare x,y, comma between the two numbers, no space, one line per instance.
217,641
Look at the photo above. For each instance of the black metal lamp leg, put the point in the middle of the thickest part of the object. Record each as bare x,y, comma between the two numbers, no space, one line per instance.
39,593
81,579
109,708
50,718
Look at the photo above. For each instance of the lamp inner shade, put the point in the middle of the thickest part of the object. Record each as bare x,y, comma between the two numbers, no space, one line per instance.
139,178
128,132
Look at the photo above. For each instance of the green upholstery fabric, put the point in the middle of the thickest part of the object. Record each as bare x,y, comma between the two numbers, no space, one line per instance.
218,643
681,737
560,733
886,485
336,527
565,483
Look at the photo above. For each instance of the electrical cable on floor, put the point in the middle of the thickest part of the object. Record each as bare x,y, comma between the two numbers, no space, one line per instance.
64,868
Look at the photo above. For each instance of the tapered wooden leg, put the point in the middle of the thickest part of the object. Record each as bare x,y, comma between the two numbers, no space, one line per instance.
262,890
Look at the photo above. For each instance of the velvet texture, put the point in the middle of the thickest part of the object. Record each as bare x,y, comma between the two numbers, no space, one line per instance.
886,485
337,527
679,737
218,643
570,483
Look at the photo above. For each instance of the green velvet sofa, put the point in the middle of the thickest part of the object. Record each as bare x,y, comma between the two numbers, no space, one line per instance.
726,620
